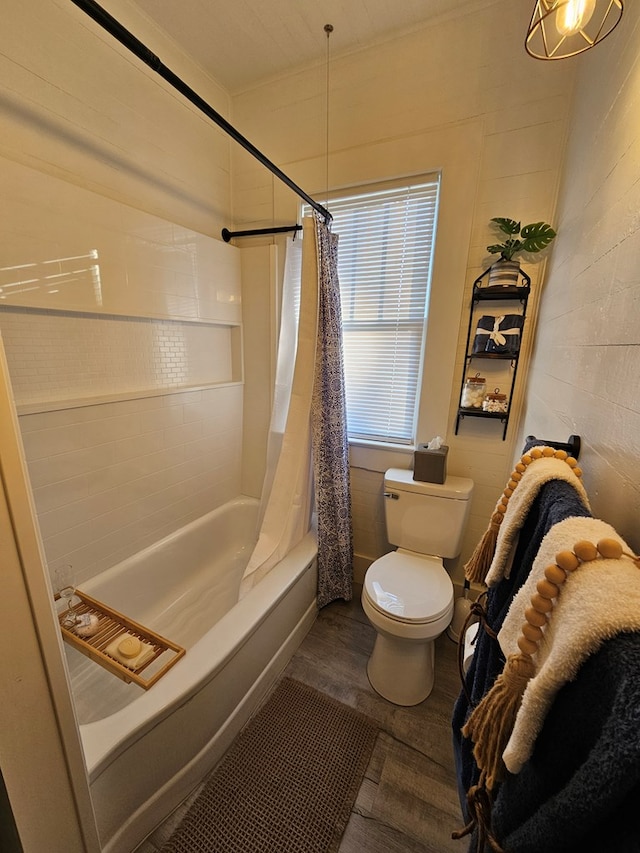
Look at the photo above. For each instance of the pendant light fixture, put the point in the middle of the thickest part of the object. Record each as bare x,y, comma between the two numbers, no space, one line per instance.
563,28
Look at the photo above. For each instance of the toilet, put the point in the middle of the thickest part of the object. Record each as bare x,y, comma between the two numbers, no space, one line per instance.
407,594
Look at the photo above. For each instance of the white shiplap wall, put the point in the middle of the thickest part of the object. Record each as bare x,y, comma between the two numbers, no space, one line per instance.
461,96
584,374
76,104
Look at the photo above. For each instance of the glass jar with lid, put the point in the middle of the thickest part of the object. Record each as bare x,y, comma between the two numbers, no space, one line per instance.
495,402
473,392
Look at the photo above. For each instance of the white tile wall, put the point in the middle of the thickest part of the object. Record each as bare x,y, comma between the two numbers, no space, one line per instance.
367,507
66,248
56,356
110,479
108,315
140,306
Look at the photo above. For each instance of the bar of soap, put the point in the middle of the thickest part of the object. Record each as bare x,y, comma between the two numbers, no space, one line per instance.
130,651
129,647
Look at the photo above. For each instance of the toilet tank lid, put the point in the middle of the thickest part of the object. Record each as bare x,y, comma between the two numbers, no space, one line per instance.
454,488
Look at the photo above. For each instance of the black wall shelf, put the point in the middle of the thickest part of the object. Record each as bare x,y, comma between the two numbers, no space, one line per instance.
482,293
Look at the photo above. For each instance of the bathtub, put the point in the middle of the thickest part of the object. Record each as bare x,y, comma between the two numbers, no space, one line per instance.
146,750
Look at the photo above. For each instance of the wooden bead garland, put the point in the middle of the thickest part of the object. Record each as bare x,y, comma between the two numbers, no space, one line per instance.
541,604
491,722
555,575
535,617
532,632
548,589
610,548
477,566
567,560
585,551
538,453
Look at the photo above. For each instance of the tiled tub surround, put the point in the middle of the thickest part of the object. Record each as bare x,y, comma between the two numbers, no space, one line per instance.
122,333
131,427
57,358
110,479
145,751
66,248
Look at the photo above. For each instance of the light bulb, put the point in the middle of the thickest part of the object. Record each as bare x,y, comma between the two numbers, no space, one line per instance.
573,16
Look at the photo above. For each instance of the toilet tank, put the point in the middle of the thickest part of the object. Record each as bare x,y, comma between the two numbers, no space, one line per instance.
428,518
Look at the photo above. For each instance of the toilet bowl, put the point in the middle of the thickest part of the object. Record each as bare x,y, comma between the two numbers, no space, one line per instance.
407,594
408,598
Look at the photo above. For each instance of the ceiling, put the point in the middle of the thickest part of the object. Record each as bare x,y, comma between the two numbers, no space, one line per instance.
241,42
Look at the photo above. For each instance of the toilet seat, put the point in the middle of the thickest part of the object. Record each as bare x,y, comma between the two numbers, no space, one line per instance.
409,588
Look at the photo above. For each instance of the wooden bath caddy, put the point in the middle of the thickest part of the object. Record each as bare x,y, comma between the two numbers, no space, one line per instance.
111,625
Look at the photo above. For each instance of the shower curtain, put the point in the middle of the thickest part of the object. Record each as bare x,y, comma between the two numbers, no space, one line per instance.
329,431
285,363
315,429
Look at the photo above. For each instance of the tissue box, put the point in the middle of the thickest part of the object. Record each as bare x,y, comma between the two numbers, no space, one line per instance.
430,466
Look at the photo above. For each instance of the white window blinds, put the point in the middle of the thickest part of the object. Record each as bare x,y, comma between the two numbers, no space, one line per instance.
385,252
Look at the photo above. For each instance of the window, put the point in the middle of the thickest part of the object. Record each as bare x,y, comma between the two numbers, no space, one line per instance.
384,265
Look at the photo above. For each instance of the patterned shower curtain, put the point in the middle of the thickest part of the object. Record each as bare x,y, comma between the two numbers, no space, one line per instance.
329,431
315,428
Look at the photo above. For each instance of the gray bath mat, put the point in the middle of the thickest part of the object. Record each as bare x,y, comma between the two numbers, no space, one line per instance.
288,782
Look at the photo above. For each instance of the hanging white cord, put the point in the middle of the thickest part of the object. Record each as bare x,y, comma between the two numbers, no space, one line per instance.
273,209
328,28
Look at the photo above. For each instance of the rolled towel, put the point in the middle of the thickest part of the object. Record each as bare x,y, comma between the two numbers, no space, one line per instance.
130,651
499,335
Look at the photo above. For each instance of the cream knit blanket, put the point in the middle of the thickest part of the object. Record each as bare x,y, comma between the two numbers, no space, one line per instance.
598,600
537,473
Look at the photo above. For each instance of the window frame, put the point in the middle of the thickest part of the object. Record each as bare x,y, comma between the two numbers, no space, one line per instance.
406,184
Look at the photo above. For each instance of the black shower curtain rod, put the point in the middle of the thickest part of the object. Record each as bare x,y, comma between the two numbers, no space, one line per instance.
111,25
252,232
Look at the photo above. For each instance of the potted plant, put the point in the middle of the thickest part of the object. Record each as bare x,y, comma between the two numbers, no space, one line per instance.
527,239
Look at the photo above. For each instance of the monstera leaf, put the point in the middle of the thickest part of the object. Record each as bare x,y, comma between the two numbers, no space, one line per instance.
536,236
509,226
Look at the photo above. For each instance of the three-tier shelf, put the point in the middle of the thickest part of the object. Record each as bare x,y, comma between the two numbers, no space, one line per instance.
500,299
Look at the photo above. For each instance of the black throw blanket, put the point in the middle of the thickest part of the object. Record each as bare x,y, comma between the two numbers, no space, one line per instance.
579,792
555,501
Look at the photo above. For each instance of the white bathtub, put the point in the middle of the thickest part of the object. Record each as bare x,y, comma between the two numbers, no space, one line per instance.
145,751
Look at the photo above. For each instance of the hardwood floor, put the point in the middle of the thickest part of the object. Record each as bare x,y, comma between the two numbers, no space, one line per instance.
408,801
